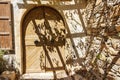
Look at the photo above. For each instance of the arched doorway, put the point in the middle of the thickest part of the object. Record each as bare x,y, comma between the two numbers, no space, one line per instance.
43,40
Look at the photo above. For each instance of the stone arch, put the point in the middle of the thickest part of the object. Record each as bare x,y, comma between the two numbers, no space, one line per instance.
25,22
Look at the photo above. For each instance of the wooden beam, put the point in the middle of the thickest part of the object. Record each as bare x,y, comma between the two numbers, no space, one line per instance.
75,35
4,33
55,68
59,7
4,18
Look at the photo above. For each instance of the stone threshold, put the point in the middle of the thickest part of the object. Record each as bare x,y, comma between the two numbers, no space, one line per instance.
43,76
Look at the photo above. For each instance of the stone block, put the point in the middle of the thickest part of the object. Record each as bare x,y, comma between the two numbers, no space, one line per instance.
118,28
98,2
9,75
117,62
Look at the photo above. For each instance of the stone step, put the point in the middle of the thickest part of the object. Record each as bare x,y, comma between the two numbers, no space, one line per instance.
42,76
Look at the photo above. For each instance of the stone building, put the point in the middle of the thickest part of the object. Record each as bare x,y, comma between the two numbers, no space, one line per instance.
43,36
47,38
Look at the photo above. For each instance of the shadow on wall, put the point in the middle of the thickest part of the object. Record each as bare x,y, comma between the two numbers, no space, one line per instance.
51,38
48,25
54,37
38,1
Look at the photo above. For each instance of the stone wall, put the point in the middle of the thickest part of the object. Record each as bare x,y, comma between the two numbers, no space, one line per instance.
78,43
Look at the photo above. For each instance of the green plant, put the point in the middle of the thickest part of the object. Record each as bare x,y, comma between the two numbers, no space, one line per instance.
2,61
2,52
